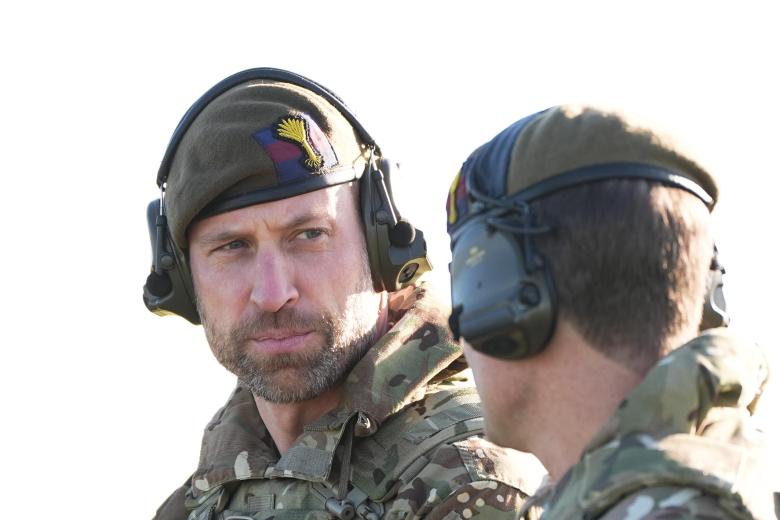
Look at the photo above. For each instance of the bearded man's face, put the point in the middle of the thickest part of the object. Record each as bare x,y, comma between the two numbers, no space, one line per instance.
285,293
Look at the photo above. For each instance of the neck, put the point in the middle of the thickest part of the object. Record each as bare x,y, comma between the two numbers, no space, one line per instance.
285,421
567,416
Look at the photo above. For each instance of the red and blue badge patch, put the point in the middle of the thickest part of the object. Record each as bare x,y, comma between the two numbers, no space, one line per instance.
297,147
457,200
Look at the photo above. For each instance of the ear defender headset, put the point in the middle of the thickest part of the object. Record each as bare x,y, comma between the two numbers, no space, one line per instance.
503,293
397,251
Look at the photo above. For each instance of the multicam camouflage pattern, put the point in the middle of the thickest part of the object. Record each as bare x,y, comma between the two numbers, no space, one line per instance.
680,445
413,418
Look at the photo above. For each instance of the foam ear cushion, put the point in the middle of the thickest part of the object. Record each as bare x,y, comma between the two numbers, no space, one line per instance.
402,234
371,229
158,285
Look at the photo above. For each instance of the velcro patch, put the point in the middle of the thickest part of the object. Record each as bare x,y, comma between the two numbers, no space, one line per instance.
261,502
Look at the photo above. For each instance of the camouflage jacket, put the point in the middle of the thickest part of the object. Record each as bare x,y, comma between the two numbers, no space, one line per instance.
405,432
680,445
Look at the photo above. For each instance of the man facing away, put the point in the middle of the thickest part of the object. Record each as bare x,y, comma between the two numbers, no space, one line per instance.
278,233
582,260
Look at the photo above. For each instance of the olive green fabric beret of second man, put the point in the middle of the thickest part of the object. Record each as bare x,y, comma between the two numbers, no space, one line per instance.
259,141
568,145
570,137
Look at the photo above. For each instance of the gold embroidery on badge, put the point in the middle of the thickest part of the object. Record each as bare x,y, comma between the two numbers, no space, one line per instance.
294,128
452,216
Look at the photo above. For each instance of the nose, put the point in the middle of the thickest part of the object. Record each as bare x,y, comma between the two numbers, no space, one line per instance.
273,285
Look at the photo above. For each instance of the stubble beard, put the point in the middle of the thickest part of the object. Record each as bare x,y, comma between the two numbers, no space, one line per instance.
297,376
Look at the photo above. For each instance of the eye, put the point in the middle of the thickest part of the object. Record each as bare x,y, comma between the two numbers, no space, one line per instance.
310,234
233,245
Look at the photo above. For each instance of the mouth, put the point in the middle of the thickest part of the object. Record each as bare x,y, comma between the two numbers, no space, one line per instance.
280,341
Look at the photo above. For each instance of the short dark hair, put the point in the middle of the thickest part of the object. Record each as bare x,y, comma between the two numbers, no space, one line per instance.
630,261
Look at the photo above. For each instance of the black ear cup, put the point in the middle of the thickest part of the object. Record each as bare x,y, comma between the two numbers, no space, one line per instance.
168,288
397,251
501,305
714,312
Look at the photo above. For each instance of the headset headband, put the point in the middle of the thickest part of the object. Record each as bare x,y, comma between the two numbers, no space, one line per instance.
259,73
580,176
626,170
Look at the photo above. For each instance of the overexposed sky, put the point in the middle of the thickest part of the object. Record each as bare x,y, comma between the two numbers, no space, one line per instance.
104,402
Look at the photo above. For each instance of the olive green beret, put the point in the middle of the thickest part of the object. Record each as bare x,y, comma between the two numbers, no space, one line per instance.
260,141
568,145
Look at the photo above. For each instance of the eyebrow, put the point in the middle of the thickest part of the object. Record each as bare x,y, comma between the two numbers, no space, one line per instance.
233,232
305,218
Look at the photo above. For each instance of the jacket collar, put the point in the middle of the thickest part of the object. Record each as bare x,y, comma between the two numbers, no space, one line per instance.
713,370
683,423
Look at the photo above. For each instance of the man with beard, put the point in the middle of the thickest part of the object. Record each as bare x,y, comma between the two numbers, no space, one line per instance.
582,262
277,231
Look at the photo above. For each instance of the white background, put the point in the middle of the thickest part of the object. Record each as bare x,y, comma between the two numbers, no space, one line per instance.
102,402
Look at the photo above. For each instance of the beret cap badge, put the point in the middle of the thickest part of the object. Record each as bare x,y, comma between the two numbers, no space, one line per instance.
296,130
